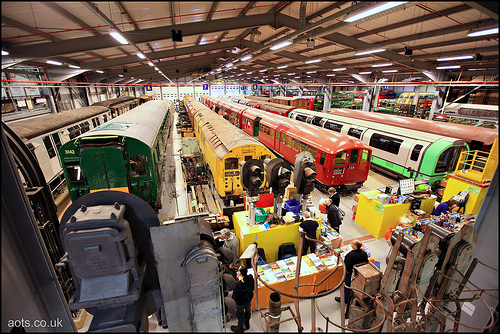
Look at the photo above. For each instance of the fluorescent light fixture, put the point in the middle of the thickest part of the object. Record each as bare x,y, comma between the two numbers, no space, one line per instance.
280,67
120,75
150,63
456,58
447,67
229,65
310,72
99,71
483,32
4,53
365,52
281,45
156,68
312,61
53,62
382,65
116,35
262,71
249,72
365,72
140,55
330,75
389,71
339,69
371,10
297,77
276,75
291,73
246,57
73,66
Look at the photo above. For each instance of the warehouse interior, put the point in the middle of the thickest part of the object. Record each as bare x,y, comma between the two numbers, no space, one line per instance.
60,56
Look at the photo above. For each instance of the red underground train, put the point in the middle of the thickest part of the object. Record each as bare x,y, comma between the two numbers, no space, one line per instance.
341,161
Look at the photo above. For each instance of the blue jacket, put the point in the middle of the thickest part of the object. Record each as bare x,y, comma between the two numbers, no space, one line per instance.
441,208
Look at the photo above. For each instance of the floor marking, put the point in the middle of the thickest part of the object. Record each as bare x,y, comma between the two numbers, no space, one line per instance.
365,238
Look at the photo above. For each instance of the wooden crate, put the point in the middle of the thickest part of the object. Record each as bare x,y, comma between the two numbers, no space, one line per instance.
366,278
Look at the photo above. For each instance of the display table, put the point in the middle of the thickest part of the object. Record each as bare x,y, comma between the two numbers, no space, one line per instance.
377,219
270,239
477,192
284,270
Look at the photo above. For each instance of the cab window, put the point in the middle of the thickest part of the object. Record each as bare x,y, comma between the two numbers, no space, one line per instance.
138,165
231,163
340,158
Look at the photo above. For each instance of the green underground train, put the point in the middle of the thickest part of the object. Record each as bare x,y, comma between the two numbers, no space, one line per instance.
124,154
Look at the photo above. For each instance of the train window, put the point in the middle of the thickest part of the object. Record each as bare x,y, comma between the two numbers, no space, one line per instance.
303,147
316,120
138,164
94,122
364,156
385,143
295,144
248,157
288,141
301,118
322,159
340,158
313,151
416,152
75,173
231,163
48,147
105,118
57,140
333,126
355,132
445,160
354,157
271,132
283,138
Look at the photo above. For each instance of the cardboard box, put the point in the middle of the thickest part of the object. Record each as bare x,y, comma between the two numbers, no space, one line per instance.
356,198
354,208
291,193
367,279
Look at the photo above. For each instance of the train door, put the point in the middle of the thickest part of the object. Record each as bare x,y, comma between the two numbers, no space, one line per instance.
108,166
351,165
280,137
256,126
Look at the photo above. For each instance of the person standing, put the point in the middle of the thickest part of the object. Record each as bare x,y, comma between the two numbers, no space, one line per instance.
243,295
332,215
309,226
334,196
231,242
356,256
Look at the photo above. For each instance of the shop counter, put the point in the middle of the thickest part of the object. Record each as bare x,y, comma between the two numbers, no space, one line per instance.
270,240
313,270
377,219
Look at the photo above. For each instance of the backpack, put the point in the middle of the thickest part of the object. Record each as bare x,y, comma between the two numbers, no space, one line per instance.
286,251
340,214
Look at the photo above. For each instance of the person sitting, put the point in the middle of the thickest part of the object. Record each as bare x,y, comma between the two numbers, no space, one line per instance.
309,226
444,207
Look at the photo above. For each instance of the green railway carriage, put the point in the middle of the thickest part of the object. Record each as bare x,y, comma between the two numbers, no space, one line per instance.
396,151
125,154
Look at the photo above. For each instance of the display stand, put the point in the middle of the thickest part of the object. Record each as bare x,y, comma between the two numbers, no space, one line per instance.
377,219
477,192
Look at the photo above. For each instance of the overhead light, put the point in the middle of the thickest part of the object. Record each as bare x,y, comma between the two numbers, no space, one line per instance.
73,66
389,71
297,77
371,10
456,58
99,71
291,73
364,52
229,65
151,64
312,61
120,75
365,72
53,62
330,75
249,72
280,67
246,57
262,71
281,45
310,72
382,65
447,67
156,68
116,35
4,53
339,69
483,32
140,55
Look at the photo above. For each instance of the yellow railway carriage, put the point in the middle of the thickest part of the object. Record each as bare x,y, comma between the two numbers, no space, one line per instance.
223,146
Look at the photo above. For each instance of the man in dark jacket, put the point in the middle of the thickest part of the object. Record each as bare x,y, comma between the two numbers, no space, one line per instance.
332,215
354,257
242,295
309,226
334,196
